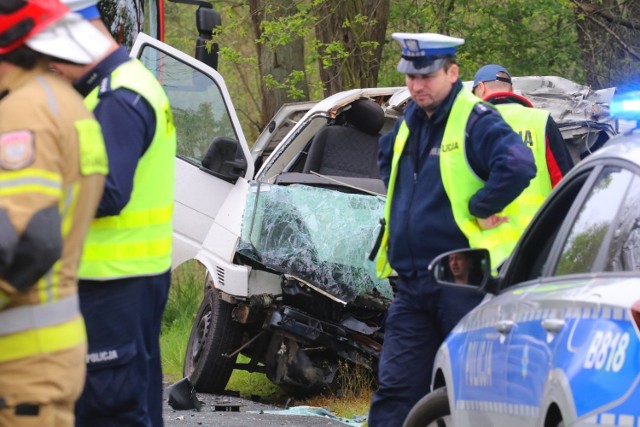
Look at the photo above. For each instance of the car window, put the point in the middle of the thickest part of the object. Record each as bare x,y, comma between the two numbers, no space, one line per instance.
197,103
532,254
624,251
596,215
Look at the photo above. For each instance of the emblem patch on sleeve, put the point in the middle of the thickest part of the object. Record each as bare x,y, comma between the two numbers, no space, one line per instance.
17,149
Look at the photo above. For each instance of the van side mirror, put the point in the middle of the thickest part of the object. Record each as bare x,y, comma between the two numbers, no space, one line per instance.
207,20
224,159
462,267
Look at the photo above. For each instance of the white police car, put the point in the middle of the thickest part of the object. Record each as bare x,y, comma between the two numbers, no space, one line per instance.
557,340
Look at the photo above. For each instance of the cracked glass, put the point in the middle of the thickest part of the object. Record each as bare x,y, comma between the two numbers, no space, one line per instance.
320,236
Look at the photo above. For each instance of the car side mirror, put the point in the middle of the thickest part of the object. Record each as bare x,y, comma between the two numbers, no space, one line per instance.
462,267
224,159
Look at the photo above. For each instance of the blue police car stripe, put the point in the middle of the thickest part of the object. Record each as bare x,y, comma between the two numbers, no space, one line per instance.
593,345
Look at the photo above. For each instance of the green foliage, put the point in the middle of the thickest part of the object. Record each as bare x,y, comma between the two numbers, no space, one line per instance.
285,29
527,37
185,295
290,84
582,250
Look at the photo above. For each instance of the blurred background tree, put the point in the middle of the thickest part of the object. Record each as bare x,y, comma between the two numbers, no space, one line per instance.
278,51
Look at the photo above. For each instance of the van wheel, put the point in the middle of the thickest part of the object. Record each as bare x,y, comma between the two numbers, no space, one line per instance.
213,335
432,410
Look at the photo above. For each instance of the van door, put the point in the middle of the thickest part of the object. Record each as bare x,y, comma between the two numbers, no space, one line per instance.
212,154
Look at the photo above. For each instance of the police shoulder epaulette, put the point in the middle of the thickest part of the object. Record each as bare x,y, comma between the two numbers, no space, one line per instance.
481,108
105,85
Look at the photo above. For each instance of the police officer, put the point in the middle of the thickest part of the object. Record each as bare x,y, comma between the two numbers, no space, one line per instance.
125,268
52,167
451,164
538,131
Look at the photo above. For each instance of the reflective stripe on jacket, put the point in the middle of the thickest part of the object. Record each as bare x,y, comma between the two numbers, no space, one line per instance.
383,268
44,328
530,124
137,242
67,170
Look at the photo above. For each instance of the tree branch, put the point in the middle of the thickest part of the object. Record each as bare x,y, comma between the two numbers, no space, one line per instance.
590,9
594,19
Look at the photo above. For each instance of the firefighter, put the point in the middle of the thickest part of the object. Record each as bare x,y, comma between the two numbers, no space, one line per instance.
52,167
125,268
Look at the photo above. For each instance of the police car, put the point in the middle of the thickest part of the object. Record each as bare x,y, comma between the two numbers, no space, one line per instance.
556,342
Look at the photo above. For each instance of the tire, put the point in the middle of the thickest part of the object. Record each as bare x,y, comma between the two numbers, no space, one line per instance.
432,410
213,334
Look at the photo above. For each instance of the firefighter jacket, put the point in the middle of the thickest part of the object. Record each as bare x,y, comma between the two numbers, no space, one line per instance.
137,241
52,167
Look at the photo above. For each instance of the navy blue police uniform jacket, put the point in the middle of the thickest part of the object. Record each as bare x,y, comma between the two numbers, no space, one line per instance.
128,125
421,223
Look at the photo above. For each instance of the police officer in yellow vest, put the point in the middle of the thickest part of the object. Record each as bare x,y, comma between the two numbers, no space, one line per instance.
125,268
451,165
52,167
538,131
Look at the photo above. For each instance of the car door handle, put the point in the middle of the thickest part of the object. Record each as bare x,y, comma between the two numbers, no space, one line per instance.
504,326
553,325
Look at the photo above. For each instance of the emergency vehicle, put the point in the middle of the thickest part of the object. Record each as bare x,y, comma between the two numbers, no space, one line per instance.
556,342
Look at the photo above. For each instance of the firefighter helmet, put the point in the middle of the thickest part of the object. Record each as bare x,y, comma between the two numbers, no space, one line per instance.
22,19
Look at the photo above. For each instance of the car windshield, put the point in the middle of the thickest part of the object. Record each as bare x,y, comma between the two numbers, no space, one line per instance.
320,236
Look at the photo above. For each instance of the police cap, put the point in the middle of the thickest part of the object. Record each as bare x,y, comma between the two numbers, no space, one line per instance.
87,8
425,53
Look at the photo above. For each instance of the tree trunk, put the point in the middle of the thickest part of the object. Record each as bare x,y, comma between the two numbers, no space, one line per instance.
277,60
609,33
350,36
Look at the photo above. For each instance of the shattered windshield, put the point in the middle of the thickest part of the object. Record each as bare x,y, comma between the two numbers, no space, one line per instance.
320,236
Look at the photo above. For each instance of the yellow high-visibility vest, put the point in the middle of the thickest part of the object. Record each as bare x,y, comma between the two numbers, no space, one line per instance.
460,184
137,242
531,125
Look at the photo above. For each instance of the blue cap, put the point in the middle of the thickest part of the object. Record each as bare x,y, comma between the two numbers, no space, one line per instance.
425,53
89,13
489,73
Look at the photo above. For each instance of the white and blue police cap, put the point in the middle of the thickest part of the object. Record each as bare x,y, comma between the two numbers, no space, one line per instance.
425,53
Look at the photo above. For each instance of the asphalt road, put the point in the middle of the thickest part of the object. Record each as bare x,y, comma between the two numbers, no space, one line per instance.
228,411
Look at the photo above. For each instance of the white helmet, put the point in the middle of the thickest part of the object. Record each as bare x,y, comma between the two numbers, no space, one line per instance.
71,38
86,8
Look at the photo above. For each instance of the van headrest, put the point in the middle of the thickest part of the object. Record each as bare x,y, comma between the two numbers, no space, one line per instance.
365,115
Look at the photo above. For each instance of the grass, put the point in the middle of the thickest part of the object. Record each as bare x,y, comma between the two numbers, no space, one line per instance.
184,299
356,383
355,387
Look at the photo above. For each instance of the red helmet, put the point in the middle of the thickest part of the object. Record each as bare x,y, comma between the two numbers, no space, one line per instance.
21,19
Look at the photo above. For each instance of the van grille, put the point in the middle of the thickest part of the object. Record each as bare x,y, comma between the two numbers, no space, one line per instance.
220,275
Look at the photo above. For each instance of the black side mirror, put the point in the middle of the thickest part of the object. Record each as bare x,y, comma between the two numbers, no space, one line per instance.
462,267
224,159
207,20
